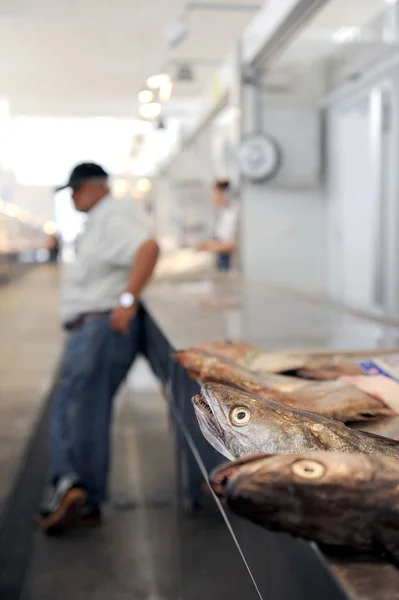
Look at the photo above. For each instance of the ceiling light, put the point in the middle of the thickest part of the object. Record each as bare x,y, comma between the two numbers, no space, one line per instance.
49,228
119,187
166,91
145,96
391,2
346,35
151,110
144,185
157,81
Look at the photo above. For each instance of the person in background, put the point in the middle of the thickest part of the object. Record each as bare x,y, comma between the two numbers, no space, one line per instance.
100,303
224,242
53,248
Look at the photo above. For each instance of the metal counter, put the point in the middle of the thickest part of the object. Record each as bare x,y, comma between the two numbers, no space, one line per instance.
233,558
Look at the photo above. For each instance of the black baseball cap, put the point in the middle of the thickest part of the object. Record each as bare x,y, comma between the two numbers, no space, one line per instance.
82,173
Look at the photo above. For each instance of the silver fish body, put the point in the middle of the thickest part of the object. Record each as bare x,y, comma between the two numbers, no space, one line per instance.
238,424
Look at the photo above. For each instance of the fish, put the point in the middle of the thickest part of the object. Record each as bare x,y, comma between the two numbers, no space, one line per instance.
323,365
331,398
237,424
210,368
346,500
240,352
339,400
328,371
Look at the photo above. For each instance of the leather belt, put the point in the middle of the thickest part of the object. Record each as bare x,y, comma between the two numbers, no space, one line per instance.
81,320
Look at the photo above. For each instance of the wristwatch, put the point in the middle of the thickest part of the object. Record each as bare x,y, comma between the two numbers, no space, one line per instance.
127,300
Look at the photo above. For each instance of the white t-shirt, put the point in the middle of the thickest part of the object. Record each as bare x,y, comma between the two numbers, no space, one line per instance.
226,223
98,276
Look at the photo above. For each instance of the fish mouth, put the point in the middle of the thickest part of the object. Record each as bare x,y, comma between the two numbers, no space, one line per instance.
201,405
221,477
209,424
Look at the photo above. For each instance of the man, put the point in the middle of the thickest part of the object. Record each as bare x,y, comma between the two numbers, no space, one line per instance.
99,308
224,242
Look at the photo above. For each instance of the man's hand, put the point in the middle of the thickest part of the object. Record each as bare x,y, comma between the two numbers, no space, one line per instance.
207,245
122,317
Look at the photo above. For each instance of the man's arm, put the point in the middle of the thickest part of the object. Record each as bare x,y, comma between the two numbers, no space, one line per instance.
216,246
143,267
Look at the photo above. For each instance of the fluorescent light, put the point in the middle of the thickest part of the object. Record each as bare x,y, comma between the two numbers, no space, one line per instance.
144,185
346,35
157,81
145,96
165,91
151,110
49,228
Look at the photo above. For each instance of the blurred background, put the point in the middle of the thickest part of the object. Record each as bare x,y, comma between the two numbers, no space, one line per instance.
296,104
164,96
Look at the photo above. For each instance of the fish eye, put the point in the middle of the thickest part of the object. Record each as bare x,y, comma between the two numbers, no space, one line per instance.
240,415
309,469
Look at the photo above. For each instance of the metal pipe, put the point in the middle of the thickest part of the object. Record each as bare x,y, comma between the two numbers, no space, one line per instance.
376,108
211,62
295,21
218,6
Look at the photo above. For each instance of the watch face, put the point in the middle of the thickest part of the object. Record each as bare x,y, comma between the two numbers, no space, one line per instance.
126,300
259,158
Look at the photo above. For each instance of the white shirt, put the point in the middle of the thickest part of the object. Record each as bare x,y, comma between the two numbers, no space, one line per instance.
226,223
100,273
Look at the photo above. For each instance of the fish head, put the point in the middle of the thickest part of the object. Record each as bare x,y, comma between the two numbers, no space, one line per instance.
304,493
223,474
240,424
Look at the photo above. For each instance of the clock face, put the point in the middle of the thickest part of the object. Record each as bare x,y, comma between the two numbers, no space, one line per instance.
259,158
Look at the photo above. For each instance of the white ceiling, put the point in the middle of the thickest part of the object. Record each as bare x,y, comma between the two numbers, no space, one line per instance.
315,41
91,57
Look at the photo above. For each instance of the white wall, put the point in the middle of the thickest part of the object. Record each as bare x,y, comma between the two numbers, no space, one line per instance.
363,194
183,196
36,199
283,222
283,237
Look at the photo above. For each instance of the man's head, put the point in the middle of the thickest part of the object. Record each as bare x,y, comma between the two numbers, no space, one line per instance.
221,189
89,184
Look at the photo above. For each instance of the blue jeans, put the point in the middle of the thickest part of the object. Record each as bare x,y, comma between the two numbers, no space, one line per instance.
223,261
95,362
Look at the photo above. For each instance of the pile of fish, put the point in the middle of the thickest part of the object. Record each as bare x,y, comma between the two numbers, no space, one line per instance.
297,467
302,472
244,367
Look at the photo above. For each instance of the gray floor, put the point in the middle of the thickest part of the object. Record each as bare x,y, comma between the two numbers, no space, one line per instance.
134,554
30,348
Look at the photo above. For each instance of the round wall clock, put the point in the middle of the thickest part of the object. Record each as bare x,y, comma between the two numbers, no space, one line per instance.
259,158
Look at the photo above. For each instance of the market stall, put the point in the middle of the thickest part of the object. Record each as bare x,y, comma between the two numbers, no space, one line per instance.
223,556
